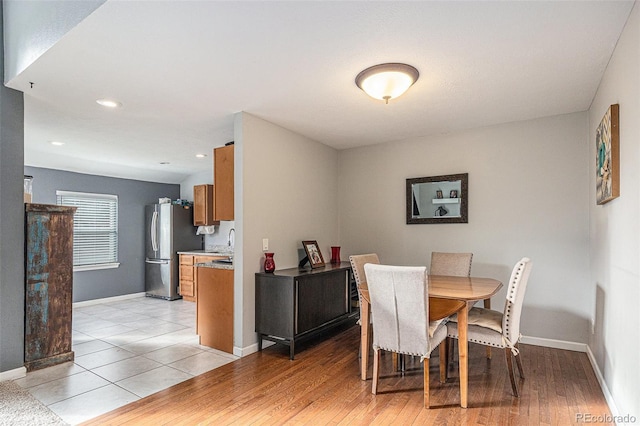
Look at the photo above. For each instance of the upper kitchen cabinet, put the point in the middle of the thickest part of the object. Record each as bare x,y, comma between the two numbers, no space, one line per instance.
203,202
223,180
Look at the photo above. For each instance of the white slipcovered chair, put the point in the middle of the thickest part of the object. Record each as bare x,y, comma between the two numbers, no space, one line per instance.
500,329
400,309
357,266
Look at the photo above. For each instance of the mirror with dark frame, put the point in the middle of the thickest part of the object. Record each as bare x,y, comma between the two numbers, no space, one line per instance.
438,199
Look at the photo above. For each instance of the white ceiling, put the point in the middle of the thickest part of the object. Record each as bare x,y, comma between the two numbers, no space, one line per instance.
183,69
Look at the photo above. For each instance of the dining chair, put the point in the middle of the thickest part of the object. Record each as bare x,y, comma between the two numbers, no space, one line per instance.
457,265
357,265
500,329
400,310
452,264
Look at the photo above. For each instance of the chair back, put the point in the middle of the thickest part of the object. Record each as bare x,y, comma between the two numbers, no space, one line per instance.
515,298
452,264
357,265
400,308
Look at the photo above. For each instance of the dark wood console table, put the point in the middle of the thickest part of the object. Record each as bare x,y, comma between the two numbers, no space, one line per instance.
297,303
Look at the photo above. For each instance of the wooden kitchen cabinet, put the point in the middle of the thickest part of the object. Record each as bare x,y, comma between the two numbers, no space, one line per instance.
187,286
214,309
223,179
188,276
48,285
203,205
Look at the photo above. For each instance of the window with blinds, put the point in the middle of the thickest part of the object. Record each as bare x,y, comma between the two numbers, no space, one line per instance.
95,229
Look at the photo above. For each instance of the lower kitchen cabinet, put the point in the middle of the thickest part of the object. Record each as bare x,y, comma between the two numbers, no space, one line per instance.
188,277
214,308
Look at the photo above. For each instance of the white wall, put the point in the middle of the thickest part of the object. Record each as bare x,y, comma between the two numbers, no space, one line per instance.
615,231
528,196
288,193
32,27
186,186
221,233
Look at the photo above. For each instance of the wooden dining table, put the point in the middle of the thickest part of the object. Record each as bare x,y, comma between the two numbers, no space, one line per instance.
447,295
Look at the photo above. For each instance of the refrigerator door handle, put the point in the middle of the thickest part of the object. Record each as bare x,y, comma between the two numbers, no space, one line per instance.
157,262
154,231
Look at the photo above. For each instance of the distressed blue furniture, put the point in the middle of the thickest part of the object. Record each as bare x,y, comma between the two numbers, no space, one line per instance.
48,285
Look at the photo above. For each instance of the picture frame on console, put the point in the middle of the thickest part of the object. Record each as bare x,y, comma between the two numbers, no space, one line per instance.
314,254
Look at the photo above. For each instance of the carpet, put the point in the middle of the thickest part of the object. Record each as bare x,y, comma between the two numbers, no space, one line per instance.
19,408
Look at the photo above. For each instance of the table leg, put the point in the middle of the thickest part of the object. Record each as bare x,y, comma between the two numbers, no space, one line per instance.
487,305
364,338
463,345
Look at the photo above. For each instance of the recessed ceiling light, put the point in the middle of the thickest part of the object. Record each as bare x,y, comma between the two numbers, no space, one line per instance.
109,103
165,162
201,155
56,143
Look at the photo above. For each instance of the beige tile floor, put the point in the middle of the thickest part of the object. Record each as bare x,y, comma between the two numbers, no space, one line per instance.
124,351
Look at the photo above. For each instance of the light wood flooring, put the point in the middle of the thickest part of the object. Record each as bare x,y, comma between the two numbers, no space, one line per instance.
322,386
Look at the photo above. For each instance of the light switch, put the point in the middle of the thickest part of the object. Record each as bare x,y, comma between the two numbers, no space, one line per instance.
265,244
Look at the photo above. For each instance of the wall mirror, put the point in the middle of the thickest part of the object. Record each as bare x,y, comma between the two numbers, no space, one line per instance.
438,199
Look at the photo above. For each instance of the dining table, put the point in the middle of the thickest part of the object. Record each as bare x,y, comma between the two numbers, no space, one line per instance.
448,295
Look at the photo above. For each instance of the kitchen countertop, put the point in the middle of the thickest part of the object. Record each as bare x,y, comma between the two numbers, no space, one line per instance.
207,252
214,264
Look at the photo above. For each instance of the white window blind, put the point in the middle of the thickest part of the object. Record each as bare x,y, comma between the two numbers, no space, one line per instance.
95,228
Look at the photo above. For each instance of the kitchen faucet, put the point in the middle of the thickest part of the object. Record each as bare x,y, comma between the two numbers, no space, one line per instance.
229,238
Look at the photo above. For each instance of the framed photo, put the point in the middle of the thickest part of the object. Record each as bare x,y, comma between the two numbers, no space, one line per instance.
439,194
313,253
453,193
608,156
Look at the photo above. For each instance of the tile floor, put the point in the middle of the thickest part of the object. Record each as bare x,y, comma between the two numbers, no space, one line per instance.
124,350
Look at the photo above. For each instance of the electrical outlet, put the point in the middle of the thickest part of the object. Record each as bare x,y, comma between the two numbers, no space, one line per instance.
265,244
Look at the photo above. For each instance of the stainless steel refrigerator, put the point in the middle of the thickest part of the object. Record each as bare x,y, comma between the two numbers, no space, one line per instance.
169,229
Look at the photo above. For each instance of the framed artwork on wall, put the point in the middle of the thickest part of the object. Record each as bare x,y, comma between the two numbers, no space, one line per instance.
608,156
313,253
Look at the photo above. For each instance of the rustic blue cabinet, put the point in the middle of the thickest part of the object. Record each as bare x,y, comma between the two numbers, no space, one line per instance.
48,285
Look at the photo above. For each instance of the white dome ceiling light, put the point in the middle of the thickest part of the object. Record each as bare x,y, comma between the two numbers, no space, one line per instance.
109,103
387,81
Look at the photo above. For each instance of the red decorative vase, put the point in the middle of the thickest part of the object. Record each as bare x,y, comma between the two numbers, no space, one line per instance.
269,264
335,254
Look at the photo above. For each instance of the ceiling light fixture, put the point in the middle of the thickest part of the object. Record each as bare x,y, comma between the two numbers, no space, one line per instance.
109,103
387,81
56,143
201,155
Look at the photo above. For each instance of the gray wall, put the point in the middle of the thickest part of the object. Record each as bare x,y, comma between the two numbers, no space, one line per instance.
11,228
132,195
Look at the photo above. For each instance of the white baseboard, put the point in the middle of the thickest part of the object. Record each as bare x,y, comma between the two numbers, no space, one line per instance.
552,343
603,385
16,373
578,347
240,351
108,299
248,350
